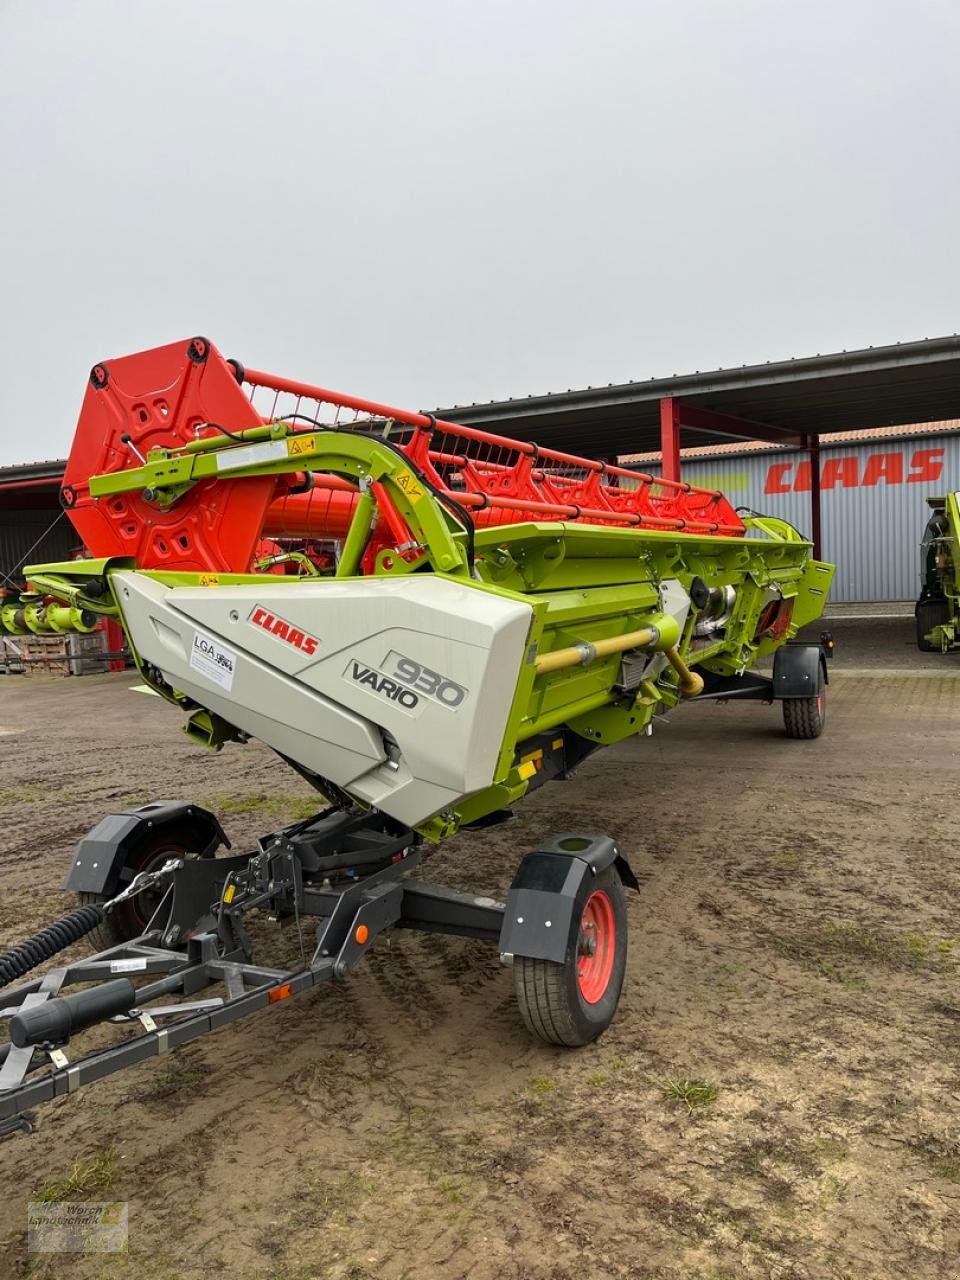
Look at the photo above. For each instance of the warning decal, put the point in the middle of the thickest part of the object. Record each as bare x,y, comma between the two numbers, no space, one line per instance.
407,481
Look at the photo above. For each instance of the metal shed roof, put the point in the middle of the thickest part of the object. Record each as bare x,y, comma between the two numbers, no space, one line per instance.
832,440
848,390
52,469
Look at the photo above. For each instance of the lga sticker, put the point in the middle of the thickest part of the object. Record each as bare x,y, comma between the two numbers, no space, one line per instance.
213,660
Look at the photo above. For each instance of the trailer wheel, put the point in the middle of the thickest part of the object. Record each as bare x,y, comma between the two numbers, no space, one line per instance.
573,1003
930,614
805,717
130,918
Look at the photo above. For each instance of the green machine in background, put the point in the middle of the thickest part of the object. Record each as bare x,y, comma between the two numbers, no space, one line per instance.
938,608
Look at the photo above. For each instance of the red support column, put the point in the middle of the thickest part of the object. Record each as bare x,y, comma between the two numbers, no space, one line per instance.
115,641
670,438
815,526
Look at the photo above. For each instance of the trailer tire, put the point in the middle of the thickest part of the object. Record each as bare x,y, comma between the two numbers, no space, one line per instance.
930,614
806,717
572,1003
129,920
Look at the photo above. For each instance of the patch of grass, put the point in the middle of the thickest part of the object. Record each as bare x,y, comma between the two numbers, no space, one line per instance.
316,1201
348,1184
725,978
827,946
948,1167
541,1086
827,1150
692,1093
95,1172
787,860
597,1078
941,1157
22,795
274,805
833,971
451,1189
862,944
918,947
808,1157
830,1191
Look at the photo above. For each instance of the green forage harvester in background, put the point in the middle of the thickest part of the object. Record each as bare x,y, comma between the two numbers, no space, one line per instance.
938,608
426,621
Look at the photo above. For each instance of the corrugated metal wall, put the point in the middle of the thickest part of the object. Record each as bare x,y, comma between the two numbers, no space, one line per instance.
873,503
19,530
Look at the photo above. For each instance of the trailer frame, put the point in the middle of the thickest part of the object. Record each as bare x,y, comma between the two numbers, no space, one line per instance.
195,942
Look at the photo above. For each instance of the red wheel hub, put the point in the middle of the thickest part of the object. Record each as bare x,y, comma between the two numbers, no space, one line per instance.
596,947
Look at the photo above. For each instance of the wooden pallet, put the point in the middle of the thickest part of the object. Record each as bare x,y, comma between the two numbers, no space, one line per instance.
53,655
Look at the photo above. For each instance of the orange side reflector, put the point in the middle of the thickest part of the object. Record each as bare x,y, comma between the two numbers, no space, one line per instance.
283,992
362,934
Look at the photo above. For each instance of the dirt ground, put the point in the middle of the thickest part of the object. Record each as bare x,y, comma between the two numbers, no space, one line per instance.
794,947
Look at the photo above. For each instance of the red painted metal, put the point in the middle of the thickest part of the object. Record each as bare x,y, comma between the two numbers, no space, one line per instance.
728,424
325,512
116,640
159,398
168,396
670,438
676,414
598,938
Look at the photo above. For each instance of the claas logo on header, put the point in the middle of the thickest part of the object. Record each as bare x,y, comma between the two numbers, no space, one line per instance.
284,630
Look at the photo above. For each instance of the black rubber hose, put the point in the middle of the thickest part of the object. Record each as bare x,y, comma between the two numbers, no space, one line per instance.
55,937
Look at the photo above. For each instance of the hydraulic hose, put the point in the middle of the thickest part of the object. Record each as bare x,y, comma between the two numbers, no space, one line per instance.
63,933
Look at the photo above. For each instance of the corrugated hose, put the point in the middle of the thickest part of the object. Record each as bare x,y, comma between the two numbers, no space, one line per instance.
63,933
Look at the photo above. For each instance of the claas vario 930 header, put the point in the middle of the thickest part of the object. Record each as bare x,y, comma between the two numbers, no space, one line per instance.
426,621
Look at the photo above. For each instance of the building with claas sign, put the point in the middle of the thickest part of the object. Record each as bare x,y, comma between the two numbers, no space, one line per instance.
874,487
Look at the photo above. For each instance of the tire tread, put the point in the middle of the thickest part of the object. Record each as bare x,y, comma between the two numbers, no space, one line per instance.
542,992
801,718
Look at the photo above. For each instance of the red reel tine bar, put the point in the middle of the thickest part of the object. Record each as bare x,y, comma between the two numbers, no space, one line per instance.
505,481
165,396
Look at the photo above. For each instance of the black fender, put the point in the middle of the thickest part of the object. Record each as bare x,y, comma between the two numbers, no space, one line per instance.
796,671
545,903
99,862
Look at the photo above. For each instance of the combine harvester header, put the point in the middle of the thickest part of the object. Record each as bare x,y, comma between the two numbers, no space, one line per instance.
426,621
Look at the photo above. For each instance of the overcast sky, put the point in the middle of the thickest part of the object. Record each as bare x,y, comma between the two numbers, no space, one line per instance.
439,201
